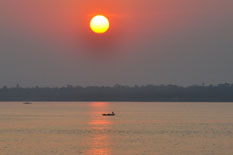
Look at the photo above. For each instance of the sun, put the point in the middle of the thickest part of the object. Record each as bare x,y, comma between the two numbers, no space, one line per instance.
99,24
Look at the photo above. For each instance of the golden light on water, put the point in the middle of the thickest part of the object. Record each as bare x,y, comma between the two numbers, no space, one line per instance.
99,24
99,142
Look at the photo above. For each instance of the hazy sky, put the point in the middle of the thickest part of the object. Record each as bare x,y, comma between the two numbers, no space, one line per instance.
49,43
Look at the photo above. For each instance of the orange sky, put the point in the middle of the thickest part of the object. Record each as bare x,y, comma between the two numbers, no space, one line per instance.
149,41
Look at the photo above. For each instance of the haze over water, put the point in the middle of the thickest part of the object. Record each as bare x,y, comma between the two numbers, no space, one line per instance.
138,128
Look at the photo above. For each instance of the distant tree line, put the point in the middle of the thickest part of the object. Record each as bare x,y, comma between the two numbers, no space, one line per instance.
162,93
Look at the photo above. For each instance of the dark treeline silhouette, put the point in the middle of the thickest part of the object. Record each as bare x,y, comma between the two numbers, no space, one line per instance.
165,93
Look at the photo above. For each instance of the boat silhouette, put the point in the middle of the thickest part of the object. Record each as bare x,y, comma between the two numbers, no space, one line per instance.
109,114
27,103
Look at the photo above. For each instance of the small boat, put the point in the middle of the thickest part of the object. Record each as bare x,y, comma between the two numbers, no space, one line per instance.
111,114
27,103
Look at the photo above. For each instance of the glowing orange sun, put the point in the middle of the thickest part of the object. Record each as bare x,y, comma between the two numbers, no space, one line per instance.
99,24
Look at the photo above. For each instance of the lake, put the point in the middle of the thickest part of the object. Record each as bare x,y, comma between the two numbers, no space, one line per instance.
139,128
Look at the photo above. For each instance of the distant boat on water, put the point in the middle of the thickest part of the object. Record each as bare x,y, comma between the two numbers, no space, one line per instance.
111,114
27,103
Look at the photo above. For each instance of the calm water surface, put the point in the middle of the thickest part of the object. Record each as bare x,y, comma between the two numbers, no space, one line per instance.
138,128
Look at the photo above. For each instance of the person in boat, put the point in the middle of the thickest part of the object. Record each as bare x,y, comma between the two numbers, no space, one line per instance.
110,114
27,103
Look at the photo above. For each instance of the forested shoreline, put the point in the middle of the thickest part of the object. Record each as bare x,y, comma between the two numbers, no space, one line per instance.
147,93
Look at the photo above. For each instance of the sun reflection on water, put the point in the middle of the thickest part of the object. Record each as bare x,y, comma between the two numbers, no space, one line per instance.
99,141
